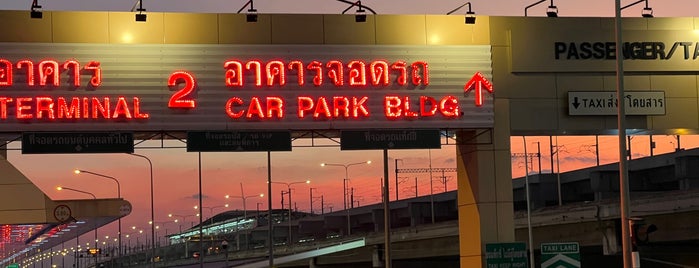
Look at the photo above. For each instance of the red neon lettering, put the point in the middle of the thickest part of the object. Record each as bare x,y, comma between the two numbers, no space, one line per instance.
275,69
417,79
5,72
359,106
48,69
318,68
336,72
235,101
255,108
44,105
340,104
357,73
275,107
99,109
392,106
137,109
3,106
426,102
22,110
96,79
305,104
49,108
400,66
72,111
406,108
30,70
234,73
49,72
76,71
86,107
121,108
298,65
177,100
449,106
258,71
379,73
322,108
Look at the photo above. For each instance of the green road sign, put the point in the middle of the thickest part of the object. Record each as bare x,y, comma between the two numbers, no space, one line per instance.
506,255
560,255
390,139
230,141
76,142
14,265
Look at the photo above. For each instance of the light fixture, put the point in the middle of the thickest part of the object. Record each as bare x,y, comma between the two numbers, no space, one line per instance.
470,15
251,17
140,16
552,11
360,16
647,11
36,14
252,12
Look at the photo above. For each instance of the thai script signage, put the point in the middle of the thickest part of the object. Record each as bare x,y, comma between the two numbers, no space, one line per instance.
506,255
605,103
68,142
390,139
229,87
229,141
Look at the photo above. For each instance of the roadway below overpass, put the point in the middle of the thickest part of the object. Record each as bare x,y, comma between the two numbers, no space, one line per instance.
594,225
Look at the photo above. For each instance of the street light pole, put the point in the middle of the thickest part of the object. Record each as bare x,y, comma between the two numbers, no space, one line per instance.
184,219
152,207
94,221
396,167
78,171
344,183
211,212
621,124
244,198
288,187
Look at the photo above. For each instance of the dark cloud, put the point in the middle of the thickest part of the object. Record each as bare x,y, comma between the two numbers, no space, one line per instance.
196,197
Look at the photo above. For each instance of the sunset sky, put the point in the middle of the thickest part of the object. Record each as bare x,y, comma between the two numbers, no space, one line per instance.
176,171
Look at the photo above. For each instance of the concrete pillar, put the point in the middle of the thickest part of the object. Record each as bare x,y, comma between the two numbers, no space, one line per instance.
484,192
312,263
3,149
377,256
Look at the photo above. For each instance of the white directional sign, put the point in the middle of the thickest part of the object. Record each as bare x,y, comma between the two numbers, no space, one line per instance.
560,255
605,103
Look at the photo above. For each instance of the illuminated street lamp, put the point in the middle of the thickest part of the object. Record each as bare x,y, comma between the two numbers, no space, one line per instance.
152,205
288,187
128,235
245,208
344,186
60,188
184,218
211,212
78,171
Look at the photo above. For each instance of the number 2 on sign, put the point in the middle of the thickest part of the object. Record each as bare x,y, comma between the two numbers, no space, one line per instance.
182,98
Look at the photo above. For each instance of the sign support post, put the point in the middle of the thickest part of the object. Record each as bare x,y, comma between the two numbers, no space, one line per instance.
386,213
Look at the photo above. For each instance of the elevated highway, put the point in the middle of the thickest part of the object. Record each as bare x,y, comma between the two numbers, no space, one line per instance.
595,225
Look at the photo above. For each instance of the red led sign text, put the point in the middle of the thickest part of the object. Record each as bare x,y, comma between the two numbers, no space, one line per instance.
240,76
275,72
75,108
47,73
